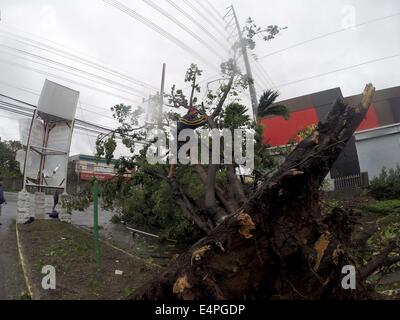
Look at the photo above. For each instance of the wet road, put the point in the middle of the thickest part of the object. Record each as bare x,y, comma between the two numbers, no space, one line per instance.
12,285
140,245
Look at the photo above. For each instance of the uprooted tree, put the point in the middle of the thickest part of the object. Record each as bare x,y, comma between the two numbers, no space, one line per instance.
278,244
266,240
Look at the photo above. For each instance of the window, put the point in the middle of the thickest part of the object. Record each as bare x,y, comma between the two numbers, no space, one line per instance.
90,167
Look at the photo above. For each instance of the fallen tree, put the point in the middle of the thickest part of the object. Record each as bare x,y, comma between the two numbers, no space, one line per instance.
278,245
266,240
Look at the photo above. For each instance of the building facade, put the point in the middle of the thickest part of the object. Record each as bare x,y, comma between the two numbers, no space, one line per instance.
83,168
310,109
378,148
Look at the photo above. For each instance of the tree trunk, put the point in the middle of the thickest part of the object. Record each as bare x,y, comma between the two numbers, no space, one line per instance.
235,184
278,245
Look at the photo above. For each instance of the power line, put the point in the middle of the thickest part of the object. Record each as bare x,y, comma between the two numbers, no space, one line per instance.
328,34
68,80
203,16
90,142
259,72
338,70
193,20
36,93
69,67
215,11
8,117
79,124
267,76
19,88
3,107
72,68
76,58
182,26
13,105
156,28
29,115
28,112
33,106
17,100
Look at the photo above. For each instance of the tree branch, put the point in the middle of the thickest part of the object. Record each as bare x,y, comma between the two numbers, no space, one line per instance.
223,98
192,93
229,207
377,262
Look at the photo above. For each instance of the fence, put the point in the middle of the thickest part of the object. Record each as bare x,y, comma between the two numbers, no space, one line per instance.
352,182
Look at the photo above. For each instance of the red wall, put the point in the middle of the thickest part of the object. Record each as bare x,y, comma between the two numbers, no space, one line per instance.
370,121
278,131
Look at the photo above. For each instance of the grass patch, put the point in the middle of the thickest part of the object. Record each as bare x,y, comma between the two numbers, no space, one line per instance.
383,207
71,251
379,224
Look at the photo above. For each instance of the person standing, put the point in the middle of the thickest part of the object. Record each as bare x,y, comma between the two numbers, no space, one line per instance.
191,120
2,199
55,200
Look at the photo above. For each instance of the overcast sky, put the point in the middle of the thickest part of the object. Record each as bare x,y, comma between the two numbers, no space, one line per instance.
97,31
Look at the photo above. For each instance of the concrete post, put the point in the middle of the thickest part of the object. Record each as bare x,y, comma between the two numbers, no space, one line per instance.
40,205
23,206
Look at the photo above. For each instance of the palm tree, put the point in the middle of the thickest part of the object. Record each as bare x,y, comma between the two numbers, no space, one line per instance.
268,107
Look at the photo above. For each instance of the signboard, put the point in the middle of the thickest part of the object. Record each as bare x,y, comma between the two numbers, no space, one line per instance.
58,100
47,138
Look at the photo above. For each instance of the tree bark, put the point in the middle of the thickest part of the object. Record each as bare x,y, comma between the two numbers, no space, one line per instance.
235,184
278,245
210,197
229,206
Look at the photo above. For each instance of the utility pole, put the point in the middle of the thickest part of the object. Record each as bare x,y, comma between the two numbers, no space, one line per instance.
155,102
162,95
252,89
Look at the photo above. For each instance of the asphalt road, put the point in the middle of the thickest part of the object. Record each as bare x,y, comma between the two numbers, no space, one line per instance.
12,285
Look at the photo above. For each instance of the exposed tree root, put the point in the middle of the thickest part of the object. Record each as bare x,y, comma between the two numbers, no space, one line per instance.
278,245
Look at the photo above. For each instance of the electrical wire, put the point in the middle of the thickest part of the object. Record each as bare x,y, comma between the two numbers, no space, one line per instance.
338,70
182,26
69,67
36,93
328,34
68,80
68,55
190,5
199,25
133,14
